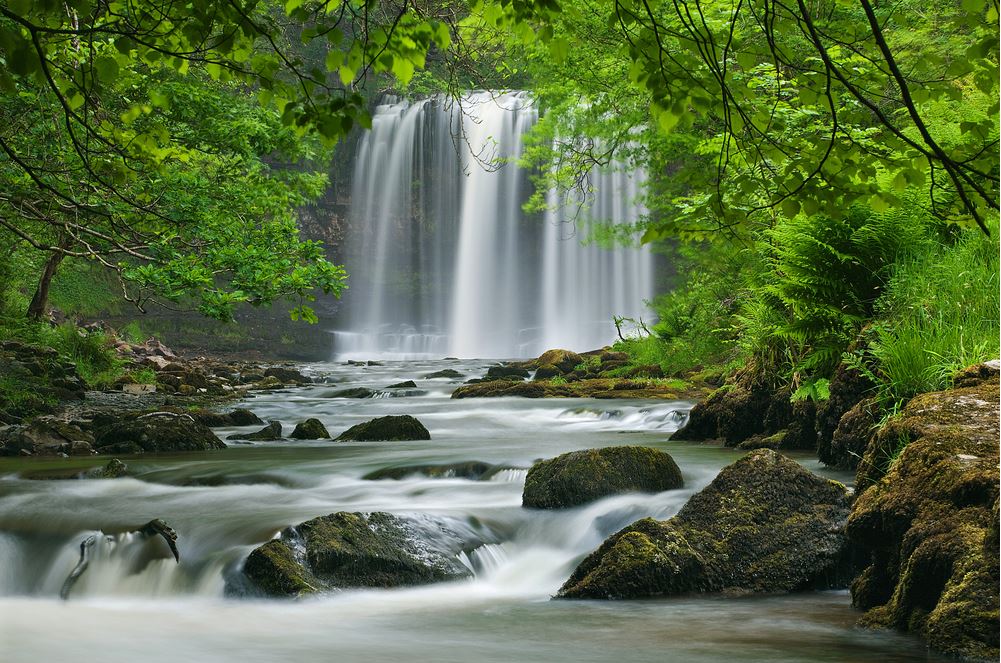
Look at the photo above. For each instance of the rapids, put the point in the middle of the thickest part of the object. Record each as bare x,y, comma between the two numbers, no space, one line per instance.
130,605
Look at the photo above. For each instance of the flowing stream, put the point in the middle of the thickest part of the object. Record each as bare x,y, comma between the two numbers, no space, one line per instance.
133,604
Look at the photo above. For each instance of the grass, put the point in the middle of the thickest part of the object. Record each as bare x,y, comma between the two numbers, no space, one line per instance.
940,314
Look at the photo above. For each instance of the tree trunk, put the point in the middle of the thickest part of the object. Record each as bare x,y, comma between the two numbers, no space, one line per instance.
39,303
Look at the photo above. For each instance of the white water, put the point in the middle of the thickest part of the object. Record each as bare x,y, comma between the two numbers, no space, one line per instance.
443,259
134,603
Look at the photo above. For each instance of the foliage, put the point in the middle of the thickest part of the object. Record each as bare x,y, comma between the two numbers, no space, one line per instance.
108,154
940,313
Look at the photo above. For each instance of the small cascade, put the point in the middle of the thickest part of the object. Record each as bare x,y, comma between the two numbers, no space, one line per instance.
444,260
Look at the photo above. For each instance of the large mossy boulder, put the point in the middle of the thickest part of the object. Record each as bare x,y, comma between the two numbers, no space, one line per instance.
765,524
564,361
929,526
580,477
356,550
156,432
391,428
498,388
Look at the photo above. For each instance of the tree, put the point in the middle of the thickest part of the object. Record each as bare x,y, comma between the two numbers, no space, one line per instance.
800,106
110,153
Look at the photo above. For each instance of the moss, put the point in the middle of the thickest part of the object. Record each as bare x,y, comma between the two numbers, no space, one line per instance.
930,524
765,524
579,477
310,429
274,569
391,428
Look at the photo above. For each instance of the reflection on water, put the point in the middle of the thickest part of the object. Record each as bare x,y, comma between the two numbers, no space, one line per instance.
224,503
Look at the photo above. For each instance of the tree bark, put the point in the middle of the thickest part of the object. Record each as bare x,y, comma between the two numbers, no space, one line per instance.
40,301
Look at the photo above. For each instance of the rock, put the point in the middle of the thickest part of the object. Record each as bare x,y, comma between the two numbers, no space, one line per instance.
286,375
391,428
269,382
114,469
930,526
47,436
580,477
546,371
356,550
733,413
270,433
353,392
472,469
848,388
646,371
409,384
156,432
850,439
765,524
971,376
237,417
276,570
446,373
502,371
310,429
497,388
564,360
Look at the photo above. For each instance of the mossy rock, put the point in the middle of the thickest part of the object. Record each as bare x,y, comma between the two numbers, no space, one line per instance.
237,417
930,525
472,469
352,392
310,429
499,388
580,477
276,571
546,372
156,432
446,373
564,360
408,384
502,372
391,428
270,433
765,524
356,550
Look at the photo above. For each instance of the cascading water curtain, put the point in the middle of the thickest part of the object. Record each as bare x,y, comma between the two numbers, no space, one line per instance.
444,261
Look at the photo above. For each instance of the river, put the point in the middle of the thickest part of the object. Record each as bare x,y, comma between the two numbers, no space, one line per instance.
222,504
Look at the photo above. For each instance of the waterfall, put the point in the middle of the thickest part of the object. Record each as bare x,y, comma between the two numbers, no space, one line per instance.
444,261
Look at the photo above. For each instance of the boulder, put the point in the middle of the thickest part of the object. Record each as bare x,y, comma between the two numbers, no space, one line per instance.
765,524
503,371
472,469
114,469
356,550
238,417
353,392
391,428
409,384
929,527
286,375
848,388
733,413
47,436
446,373
270,433
156,432
546,371
310,429
564,360
580,477
495,388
